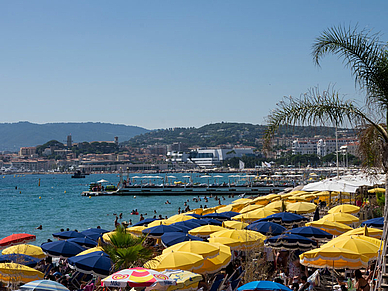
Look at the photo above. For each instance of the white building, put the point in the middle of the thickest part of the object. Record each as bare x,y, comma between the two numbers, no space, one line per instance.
328,146
304,147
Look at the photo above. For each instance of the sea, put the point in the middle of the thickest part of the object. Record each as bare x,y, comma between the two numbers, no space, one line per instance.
55,202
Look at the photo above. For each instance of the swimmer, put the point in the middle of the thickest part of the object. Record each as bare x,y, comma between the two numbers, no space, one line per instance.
39,227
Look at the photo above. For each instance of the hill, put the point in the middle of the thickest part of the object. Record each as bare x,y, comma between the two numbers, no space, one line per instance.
220,134
24,134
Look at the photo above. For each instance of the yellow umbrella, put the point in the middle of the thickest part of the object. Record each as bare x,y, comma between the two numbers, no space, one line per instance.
345,208
323,194
334,228
91,250
341,217
159,222
217,263
25,249
333,257
247,238
250,208
301,207
370,231
225,208
355,245
254,215
179,217
205,230
175,261
374,190
106,236
16,273
185,280
242,200
261,200
230,242
234,224
137,230
277,205
296,199
205,249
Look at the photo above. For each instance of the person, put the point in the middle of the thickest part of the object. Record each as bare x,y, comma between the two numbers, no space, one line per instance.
130,222
40,227
303,285
361,283
141,217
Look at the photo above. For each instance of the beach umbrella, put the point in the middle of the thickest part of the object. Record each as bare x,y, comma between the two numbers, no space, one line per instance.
91,250
375,222
335,228
355,245
158,231
331,185
311,232
182,227
234,224
220,261
263,285
345,208
375,190
254,215
221,216
276,206
25,249
194,215
190,223
159,222
20,259
284,218
137,277
211,221
68,234
137,230
242,200
185,280
341,217
83,241
333,257
247,238
205,230
102,181
96,263
16,273
178,218
369,231
145,221
94,233
205,249
15,239
290,241
301,207
43,285
227,241
62,249
172,238
250,208
267,228
176,261
377,242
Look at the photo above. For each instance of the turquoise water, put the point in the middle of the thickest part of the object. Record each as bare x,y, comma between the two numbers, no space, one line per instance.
57,203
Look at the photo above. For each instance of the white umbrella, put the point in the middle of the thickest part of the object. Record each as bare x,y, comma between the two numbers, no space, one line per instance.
103,181
331,185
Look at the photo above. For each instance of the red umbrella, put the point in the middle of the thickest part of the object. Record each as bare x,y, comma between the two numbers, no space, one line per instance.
15,239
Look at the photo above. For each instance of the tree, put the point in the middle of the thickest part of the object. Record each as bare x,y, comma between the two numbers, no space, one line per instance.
125,250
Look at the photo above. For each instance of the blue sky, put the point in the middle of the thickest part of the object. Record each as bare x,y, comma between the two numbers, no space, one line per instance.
160,64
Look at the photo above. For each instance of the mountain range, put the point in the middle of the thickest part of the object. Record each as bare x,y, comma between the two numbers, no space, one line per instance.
25,134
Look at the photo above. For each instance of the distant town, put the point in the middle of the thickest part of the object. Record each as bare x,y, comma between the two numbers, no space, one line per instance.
112,156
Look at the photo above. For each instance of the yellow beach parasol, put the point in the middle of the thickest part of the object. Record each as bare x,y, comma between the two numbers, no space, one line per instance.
205,249
16,273
255,215
179,218
25,249
345,208
185,280
340,217
277,205
301,207
175,261
251,208
205,230
225,208
91,250
136,230
159,222
242,200
334,228
247,238
217,263
234,224
370,231
293,199
230,242
375,190
261,200
333,257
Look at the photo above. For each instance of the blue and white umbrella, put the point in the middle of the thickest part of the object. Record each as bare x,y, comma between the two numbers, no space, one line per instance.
172,238
84,241
97,263
20,259
374,222
43,285
267,228
311,232
284,218
94,233
212,221
68,234
159,230
221,216
290,241
62,249
144,221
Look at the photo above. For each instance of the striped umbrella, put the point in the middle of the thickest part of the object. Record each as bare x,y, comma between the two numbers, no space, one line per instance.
43,285
15,239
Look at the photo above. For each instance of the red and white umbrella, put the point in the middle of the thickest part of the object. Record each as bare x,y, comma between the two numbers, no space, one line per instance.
15,239
137,277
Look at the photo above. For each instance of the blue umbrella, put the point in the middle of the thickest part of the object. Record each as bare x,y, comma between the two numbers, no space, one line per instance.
97,263
212,221
94,233
182,227
172,238
267,228
20,259
311,232
84,241
159,230
194,215
68,234
290,242
374,222
284,218
62,248
43,285
144,221
222,215
263,285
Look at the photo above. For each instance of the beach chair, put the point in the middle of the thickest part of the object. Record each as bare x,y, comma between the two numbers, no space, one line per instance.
216,284
235,283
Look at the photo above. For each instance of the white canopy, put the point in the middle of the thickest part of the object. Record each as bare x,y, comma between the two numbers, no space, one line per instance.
331,185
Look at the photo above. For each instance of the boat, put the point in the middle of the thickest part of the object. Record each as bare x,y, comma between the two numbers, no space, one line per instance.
78,174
